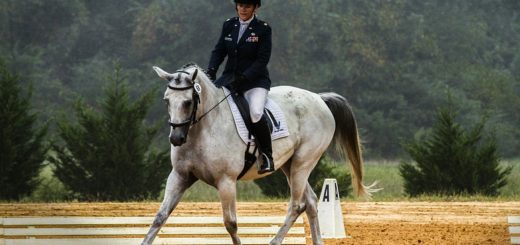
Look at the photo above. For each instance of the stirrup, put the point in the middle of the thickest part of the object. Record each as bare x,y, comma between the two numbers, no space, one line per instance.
266,166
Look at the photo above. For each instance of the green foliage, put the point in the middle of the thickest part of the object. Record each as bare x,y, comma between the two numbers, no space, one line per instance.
22,147
513,181
393,60
107,154
275,185
452,160
50,188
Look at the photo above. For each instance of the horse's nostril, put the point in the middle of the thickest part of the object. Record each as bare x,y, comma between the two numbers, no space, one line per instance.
177,140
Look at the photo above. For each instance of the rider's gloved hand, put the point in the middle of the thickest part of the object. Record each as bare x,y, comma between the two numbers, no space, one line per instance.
212,74
240,78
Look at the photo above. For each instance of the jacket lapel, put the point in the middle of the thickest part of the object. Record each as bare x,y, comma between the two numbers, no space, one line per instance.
247,32
234,32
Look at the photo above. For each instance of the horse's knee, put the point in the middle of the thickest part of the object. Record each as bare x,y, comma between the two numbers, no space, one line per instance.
160,219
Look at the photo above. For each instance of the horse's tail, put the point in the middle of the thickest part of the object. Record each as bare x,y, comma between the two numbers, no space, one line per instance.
347,140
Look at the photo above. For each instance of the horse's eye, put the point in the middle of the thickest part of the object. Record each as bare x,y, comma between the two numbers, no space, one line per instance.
166,101
187,103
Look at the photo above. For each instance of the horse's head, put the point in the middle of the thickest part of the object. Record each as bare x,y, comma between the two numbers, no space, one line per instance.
182,98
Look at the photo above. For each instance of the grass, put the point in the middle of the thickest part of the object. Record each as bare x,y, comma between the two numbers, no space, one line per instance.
386,173
512,189
389,178
50,188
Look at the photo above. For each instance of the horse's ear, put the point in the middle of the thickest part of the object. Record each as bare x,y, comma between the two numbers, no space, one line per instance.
194,75
162,74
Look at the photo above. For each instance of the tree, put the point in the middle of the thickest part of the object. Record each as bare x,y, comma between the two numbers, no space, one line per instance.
108,154
22,146
391,59
452,160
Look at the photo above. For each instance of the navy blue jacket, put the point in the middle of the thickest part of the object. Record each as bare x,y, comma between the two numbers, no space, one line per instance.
247,58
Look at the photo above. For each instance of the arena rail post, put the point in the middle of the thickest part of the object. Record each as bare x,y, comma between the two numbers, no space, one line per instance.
2,241
514,228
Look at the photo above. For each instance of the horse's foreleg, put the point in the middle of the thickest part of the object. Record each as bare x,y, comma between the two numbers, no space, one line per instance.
227,194
175,187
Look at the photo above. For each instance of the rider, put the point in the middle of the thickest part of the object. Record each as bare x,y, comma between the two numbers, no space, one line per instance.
246,41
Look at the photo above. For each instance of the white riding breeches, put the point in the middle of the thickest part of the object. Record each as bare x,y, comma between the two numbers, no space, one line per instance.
256,97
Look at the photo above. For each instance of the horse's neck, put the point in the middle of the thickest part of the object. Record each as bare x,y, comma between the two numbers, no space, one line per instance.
212,106
210,94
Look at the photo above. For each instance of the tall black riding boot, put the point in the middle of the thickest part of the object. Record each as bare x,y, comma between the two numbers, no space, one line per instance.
262,134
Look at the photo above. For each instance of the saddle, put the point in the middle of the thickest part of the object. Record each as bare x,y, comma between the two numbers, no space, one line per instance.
276,123
243,108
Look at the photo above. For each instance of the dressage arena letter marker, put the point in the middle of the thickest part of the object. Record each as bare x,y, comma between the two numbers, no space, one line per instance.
329,211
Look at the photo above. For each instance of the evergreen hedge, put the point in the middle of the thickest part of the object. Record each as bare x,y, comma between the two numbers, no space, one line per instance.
22,146
454,161
108,154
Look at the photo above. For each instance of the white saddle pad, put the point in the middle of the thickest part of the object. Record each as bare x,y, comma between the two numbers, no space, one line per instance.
280,132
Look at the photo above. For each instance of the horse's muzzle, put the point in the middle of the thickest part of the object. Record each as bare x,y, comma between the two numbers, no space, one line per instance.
179,136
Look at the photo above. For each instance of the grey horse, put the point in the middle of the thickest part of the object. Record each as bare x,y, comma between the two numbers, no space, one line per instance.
205,146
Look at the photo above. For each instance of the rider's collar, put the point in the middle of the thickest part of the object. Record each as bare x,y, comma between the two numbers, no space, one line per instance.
247,21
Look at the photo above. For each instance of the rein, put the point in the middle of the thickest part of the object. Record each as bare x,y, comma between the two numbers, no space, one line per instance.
196,97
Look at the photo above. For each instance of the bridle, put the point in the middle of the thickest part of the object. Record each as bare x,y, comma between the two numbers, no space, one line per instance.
197,90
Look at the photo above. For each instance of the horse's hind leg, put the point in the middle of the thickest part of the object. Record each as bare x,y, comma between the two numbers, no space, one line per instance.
311,210
227,193
175,187
310,205
297,177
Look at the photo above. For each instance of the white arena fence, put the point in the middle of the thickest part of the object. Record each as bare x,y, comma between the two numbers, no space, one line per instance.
131,230
514,229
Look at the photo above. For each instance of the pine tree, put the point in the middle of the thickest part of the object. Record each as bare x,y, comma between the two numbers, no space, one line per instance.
22,147
452,160
108,154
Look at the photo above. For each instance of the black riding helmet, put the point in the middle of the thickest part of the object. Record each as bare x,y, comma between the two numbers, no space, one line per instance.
256,2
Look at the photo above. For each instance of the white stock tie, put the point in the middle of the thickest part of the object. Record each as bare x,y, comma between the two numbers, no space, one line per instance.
243,27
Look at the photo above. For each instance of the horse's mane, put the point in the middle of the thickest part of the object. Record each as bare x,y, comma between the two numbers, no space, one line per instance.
194,65
190,65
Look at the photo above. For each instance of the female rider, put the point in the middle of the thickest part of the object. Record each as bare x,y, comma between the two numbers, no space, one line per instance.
246,41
